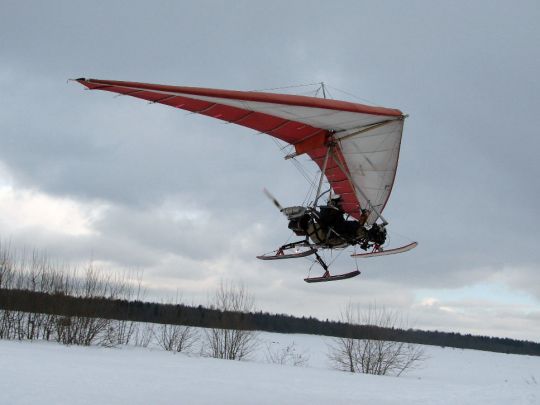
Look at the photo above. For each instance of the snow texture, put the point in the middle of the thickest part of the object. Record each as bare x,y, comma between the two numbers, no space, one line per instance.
49,373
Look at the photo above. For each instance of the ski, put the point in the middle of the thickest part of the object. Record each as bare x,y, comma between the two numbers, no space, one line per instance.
381,252
323,279
279,256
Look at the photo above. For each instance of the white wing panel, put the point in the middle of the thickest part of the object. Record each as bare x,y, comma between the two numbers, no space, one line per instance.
316,117
372,159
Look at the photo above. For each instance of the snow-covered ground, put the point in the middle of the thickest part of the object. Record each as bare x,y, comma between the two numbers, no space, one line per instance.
49,373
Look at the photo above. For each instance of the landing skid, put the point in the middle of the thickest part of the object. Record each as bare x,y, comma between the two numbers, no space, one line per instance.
282,252
328,277
282,255
380,252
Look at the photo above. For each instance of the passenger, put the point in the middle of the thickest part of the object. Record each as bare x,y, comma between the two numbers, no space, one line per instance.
332,216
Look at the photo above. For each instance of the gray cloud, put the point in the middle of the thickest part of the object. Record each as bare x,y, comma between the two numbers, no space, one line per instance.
466,184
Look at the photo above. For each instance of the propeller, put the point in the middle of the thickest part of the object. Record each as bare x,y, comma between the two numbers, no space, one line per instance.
274,199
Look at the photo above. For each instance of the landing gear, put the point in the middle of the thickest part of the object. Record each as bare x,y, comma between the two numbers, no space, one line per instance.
378,250
326,276
303,249
332,278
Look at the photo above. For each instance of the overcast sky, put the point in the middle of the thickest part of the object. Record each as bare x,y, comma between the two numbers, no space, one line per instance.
87,176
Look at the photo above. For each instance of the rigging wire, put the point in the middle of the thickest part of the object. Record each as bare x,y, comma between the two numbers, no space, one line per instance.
310,192
311,267
355,259
279,146
321,87
294,161
304,172
355,96
310,93
403,236
288,87
391,234
337,256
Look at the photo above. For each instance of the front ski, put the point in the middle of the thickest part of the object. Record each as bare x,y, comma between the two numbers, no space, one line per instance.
325,278
381,252
279,255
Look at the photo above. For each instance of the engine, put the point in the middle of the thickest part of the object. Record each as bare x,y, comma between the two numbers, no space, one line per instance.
298,219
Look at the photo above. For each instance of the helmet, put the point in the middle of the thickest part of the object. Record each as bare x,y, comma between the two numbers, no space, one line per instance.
336,201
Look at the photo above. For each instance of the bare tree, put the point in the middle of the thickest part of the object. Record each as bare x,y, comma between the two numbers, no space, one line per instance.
143,334
342,350
374,354
234,340
34,271
288,355
176,338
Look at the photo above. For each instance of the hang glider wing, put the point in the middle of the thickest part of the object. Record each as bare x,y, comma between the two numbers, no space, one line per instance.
368,138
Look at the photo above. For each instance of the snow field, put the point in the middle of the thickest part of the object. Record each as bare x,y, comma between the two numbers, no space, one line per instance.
49,373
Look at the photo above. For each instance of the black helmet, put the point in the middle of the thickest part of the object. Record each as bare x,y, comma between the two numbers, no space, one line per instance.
336,202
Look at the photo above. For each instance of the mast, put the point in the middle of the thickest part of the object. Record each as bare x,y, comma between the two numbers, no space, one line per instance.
323,89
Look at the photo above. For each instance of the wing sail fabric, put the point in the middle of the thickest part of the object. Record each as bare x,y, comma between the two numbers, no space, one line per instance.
305,122
371,159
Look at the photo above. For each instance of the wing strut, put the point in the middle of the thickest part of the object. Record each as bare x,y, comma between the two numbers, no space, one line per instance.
323,169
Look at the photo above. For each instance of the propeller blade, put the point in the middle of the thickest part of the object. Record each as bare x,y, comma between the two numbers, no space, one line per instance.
274,200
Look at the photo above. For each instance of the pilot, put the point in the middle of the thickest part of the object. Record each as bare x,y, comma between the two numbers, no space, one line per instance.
363,216
331,215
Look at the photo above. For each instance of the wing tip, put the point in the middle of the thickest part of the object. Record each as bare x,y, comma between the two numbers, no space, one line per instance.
80,80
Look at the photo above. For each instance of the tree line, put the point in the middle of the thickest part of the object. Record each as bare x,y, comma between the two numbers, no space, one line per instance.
111,308
40,299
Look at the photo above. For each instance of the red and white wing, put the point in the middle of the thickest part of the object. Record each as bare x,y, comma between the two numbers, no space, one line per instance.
368,137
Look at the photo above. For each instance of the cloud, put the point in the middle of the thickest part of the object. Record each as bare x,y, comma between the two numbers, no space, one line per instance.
525,279
481,317
28,209
86,176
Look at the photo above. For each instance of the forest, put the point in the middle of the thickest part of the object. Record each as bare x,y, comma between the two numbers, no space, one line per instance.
68,306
